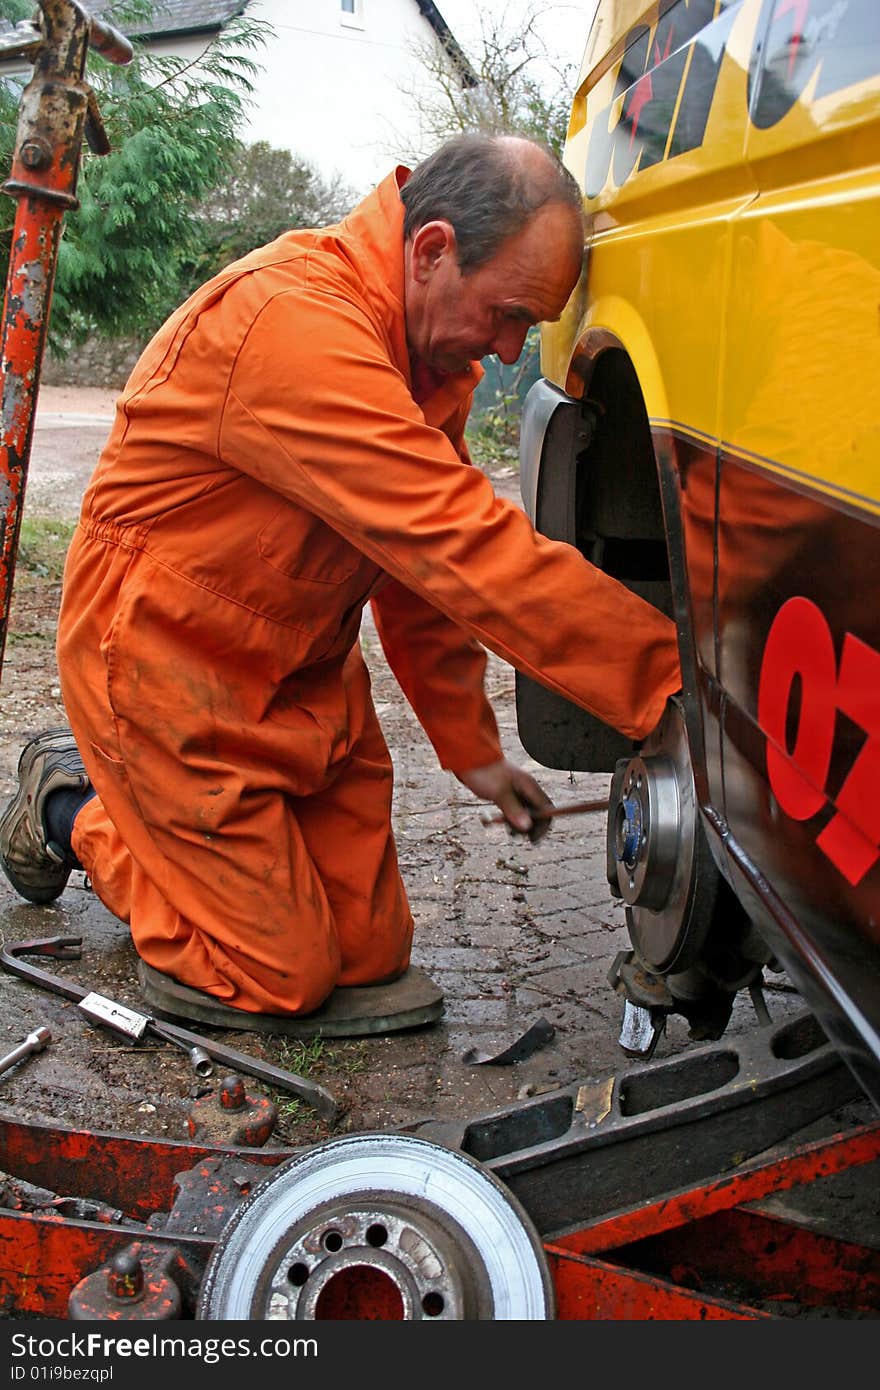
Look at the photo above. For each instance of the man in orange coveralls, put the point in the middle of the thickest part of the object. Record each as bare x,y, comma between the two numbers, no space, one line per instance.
290,447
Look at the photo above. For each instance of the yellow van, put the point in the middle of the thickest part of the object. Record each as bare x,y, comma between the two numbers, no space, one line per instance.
707,429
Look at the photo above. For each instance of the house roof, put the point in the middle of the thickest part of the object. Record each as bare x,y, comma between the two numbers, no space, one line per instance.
182,17
449,42
178,17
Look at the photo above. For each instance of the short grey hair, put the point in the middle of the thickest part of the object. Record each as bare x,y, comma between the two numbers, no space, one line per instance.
483,186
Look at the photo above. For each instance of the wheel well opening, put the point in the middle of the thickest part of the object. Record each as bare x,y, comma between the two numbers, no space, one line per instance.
618,509
598,489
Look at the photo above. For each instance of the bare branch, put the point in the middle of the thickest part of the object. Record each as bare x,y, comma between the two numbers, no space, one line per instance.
518,91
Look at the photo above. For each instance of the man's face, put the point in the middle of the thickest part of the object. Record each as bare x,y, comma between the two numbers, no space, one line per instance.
454,318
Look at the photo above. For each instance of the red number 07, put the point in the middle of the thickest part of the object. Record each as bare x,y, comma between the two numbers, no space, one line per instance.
800,644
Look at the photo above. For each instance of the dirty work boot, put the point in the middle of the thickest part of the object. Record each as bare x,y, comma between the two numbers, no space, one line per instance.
37,867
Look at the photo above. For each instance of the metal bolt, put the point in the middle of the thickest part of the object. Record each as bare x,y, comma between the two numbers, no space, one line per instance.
201,1062
125,1279
232,1096
35,154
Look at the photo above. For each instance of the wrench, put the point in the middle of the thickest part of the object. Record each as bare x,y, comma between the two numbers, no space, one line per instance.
34,1042
69,948
131,1024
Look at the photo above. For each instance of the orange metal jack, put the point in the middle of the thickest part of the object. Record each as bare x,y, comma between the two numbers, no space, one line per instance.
57,109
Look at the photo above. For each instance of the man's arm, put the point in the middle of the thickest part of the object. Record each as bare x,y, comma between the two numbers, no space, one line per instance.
442,672
440,669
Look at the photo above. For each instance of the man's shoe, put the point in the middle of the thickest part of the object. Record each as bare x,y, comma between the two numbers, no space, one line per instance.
36,867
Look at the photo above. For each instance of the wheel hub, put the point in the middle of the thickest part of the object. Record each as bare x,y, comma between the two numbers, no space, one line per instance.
648,832
652,830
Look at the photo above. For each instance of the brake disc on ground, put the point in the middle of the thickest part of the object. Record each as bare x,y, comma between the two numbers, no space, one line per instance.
381,1227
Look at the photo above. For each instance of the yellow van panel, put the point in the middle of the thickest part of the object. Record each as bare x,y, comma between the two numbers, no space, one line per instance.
733,226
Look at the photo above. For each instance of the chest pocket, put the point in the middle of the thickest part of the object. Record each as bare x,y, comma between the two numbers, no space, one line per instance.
301,546
326,576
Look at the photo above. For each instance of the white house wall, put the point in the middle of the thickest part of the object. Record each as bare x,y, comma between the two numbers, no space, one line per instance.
330,89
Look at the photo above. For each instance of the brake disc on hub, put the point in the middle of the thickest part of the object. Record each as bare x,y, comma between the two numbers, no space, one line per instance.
657,852
378,1226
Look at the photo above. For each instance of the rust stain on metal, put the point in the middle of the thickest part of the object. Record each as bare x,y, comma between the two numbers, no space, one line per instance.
42,180
33,293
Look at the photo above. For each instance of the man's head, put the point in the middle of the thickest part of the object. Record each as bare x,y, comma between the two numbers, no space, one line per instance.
493,232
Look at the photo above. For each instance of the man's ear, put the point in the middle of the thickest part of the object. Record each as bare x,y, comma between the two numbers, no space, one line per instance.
429,246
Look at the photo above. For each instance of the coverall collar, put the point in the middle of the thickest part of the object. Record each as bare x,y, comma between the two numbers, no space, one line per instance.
376,226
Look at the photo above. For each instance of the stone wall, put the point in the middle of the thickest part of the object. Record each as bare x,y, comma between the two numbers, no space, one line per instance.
97,362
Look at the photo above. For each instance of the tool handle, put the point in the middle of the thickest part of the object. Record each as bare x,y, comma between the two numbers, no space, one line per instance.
67,948
34,1042
576,808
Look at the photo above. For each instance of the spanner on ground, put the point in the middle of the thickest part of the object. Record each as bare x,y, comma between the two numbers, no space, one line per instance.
34,1042
69,948
131,1024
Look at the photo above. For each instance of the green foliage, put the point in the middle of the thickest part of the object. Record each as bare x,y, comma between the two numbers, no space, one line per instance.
10,95
493,435
43,546
312,1058
172,124
263,192
493,427
16,10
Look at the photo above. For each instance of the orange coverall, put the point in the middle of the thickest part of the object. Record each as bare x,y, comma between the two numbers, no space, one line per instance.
269,472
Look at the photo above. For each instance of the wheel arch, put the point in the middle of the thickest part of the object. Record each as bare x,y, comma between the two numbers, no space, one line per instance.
596,486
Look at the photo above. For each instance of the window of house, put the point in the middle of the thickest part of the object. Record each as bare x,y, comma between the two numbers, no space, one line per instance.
351,12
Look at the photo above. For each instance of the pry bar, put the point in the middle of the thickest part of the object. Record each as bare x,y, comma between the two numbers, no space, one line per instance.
69,948
575,808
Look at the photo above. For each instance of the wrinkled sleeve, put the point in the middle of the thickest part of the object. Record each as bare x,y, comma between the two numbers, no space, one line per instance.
440,669
316,410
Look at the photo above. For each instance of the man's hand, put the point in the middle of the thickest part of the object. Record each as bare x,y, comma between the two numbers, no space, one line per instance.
514,791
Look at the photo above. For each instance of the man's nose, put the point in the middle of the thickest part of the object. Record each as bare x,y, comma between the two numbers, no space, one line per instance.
508,342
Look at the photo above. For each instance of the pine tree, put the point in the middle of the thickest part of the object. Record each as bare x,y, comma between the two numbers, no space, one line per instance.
263,192
128,249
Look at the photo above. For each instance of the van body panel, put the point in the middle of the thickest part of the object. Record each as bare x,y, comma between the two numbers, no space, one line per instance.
729,153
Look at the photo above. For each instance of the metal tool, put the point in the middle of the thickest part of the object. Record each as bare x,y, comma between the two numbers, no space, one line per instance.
132,1024
577,808
57,109
34,1042
69,948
